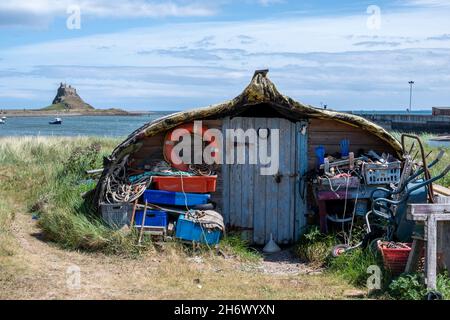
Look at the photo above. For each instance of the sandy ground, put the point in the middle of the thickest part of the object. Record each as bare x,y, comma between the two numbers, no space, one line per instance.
39,270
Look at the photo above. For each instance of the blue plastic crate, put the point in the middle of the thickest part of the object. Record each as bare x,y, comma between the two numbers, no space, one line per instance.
175,198
190,231
153,218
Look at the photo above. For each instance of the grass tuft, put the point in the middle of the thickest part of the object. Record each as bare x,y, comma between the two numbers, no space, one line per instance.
234,245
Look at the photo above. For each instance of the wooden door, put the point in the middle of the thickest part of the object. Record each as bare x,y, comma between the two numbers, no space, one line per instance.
260,205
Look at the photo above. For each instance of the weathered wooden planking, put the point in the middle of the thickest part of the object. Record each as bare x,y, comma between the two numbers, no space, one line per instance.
245,189
429,208
272,196
225,178
259,213
441,190
336,137
257,201
330,133
285,186
319,125
301,156
237,184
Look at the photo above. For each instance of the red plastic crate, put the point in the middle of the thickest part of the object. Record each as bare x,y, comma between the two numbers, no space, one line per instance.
193,184
395,259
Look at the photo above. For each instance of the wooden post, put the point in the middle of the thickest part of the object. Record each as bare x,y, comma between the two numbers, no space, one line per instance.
143,223
133,214
431,260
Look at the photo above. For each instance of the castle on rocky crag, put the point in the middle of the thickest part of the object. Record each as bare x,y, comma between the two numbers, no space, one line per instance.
65,91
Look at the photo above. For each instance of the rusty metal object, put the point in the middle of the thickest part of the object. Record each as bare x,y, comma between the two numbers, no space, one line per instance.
424,161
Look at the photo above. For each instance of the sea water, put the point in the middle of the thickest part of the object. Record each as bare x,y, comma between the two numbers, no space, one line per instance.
103,126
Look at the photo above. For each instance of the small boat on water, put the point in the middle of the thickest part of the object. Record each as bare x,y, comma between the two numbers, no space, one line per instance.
3,118
2,121
56,121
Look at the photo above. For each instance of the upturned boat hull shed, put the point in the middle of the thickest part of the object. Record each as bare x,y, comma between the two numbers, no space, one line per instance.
254,204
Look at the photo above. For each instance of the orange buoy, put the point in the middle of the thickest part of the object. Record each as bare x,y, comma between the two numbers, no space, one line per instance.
171,139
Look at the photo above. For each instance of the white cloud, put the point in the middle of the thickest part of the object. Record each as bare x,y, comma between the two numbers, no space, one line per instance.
267,3
336,60
40,12
426,3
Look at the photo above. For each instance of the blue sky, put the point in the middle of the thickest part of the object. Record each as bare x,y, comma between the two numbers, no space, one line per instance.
179,54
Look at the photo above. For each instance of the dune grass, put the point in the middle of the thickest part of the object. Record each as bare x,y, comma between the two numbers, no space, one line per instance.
441,165
46,176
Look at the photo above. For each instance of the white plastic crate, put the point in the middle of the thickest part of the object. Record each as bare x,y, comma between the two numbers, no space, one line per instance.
116,215
376,174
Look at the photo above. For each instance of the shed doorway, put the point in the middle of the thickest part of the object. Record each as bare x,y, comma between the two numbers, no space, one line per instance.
260,205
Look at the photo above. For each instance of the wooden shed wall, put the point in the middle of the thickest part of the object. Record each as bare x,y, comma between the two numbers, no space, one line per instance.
329,133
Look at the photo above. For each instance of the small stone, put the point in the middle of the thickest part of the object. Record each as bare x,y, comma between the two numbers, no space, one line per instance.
355,294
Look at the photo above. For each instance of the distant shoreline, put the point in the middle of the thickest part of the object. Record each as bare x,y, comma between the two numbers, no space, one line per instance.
40,113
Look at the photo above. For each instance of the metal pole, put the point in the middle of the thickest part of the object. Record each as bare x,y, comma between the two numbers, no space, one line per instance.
410,94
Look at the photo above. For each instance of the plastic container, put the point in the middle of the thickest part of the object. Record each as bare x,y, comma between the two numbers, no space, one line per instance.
188,230
376,174
194,184
116,215
395,259
175,198
153,218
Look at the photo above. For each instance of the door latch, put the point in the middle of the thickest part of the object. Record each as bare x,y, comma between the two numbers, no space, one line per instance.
277,177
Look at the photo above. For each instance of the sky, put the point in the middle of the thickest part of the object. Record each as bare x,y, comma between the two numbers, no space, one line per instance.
180,54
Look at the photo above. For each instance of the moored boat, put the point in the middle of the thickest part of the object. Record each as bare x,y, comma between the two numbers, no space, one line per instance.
56,121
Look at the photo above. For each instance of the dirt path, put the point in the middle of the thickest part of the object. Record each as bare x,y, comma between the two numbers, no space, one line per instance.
39,270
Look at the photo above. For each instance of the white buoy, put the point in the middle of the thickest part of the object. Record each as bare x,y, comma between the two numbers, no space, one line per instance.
271,246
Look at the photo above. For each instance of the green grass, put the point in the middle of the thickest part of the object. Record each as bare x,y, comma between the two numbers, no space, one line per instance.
441,165
315,247
55,107
353,266
46,175
235,246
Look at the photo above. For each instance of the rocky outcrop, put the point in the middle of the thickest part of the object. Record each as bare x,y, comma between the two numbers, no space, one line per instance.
67,98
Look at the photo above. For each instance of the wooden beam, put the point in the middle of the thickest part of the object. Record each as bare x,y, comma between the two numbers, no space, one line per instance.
429,208
441,190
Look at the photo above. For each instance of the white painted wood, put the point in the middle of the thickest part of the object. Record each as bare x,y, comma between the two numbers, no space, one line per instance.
431,259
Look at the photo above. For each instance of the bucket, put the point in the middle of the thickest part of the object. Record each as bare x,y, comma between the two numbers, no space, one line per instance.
395,259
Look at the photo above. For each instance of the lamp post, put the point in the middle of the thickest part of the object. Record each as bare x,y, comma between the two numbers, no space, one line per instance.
410,94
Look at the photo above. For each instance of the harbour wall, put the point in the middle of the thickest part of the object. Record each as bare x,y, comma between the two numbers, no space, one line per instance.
410,122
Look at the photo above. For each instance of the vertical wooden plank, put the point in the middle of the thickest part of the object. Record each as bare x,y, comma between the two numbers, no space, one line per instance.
302,164
250,172
237,182
232,171
272,193
284,192
225,176
260,200
292,180
244,187
431,260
